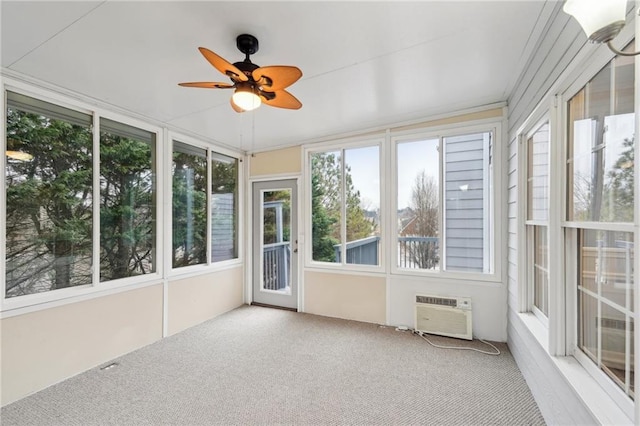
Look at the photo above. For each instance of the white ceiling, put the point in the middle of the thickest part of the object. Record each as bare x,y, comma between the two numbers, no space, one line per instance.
365,64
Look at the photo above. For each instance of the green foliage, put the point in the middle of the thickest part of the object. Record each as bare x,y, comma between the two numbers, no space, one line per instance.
49,205
189,207
127,222
321,224
327,206
618,201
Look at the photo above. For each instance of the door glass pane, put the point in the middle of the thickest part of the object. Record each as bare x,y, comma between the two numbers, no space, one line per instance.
418,204
276,241
48,178
362,187
326,205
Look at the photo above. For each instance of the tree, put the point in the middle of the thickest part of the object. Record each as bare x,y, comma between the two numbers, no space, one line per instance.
619,200
321,224
326,167
189,209
425,205
49,204
127,222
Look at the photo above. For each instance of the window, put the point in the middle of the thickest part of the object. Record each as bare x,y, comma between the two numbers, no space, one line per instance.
127,201
444,203
224,207
345,188
600,211
82,202
537,221
190,212
189,206
49,175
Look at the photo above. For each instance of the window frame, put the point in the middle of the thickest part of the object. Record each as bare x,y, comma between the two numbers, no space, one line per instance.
209,265
343,145
527,226
44,300
494,188
36,300
569,230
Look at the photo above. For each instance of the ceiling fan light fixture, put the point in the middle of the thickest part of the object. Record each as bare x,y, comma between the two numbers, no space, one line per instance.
244,97
600,20
19,155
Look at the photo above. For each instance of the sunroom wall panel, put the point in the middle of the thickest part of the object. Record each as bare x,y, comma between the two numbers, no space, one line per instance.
44,347
193,300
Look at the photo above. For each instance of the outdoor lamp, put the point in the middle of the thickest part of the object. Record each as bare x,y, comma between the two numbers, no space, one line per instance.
245,97
601,20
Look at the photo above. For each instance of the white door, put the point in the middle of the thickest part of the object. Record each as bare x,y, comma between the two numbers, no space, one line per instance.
275,243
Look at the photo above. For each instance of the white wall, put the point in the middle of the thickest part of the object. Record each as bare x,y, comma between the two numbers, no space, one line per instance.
487,299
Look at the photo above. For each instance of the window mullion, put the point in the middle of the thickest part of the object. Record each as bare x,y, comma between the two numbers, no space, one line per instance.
443,189
343,208
95,263
208,239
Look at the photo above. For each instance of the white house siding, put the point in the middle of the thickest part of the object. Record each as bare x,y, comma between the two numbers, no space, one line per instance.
560,41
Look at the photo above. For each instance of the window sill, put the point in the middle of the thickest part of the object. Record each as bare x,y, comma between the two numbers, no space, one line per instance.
601,406
36,302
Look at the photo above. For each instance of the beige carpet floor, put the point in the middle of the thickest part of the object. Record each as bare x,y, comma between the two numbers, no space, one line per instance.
265,366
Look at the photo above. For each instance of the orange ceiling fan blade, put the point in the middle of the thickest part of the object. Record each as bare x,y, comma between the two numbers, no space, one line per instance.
281,99
207,85
223,65
235,107
276,77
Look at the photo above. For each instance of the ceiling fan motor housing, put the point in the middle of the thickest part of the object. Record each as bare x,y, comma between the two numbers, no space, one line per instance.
247,44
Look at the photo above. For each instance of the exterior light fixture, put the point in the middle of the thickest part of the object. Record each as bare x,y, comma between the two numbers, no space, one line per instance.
601,20
245,97
19,155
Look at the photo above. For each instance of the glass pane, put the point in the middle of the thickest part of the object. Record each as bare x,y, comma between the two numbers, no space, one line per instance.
224,208
326,205
614,331
127,202
276,240
189,210
362,187
587,325
607,265
48,202
538,174
541,269
418,204
466,209
601,146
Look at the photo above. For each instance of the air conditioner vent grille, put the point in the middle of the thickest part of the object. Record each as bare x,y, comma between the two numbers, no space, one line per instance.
442,301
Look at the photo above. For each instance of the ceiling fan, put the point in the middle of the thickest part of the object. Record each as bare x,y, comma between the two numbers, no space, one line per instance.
253,84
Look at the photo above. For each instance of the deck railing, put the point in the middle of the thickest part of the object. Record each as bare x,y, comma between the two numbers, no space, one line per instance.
360,252
413,252
418,252
276,265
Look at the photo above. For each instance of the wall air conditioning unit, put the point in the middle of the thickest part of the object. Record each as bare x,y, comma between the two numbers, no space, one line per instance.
446,316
